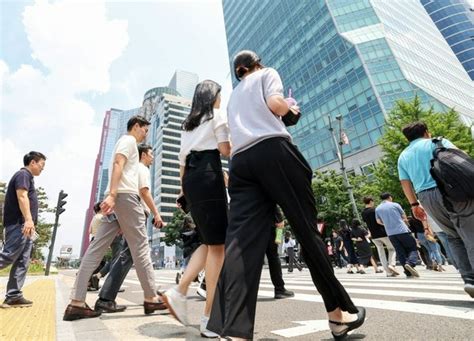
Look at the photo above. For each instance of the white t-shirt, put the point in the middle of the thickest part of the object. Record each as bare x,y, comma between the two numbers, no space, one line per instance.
204,137
144,182
250,119
95,223
290,243
128,183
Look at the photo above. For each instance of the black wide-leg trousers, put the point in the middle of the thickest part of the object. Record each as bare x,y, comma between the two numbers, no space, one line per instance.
271,172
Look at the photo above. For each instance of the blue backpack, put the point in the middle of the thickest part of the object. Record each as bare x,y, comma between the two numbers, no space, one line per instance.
453,171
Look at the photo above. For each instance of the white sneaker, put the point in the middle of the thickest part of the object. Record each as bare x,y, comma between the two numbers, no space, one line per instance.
177,304
202,293
204,331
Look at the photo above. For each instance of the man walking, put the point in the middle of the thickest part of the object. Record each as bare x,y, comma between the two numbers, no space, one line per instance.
380,238
121,266
392,217
454,218
20,216
121,198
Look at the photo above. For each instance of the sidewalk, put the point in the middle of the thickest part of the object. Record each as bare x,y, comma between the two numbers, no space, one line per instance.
43,321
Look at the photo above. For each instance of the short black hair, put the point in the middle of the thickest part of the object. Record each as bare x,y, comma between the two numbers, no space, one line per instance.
97,207
33,156
143,148
367,200
415,130
245,61
142,121
385,195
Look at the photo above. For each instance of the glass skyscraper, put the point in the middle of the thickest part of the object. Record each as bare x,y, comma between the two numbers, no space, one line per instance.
184,82
349,58
455,20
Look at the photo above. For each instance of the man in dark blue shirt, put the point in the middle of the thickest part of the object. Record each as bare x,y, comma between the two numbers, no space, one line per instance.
20,216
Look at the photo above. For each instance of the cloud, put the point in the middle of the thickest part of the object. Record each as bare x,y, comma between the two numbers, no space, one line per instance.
44,109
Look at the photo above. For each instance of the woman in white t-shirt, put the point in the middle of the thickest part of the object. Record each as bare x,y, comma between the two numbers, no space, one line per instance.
204,138
289,247
268,169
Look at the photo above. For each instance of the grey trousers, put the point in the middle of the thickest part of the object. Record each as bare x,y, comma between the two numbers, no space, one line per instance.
458,223
131,219
379,244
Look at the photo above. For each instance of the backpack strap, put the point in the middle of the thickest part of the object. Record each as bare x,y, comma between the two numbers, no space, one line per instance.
438,141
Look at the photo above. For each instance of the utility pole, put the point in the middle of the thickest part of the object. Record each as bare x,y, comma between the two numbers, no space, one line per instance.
59,210
340,157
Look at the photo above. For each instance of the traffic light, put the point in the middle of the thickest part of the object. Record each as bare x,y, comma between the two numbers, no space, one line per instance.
61,203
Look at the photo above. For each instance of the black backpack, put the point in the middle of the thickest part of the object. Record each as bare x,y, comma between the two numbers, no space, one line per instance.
453,171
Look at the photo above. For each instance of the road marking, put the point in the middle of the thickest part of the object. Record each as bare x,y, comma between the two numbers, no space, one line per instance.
408,307
306,327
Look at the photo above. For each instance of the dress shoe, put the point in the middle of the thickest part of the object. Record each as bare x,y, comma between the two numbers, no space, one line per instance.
17,302
341,335
151,307
108,306
76,313
283,294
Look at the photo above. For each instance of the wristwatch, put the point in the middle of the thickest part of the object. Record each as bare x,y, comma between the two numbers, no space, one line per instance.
414,204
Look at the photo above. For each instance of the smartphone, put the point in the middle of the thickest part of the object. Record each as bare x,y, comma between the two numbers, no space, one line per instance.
184,205
109,218
34,236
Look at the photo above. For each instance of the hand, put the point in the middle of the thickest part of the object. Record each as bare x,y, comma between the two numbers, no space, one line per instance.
158,222
295,109
280,225
28,228
108,205
419,212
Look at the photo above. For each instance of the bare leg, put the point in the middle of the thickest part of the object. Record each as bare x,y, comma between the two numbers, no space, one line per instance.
195,265
215,259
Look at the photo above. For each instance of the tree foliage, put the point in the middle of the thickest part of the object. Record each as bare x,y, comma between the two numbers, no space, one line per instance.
172,230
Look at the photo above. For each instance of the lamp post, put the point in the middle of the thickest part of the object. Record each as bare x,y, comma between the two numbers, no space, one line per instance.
340,157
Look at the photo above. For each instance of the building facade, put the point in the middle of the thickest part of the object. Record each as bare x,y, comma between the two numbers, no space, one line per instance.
352,59
184,82
455,21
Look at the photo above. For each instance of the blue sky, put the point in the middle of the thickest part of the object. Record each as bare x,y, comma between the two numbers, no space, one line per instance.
64,63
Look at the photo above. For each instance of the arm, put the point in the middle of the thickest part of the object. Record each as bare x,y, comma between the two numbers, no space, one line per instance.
24,203
380,222
108,204
278,105
418,210
146,196
224,149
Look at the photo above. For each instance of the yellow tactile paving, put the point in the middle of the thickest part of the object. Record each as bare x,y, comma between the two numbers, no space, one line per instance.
32,323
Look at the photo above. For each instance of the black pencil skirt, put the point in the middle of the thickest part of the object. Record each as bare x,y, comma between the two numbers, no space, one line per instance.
204,190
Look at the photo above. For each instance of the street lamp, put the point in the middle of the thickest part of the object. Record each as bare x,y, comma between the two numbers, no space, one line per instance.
340,156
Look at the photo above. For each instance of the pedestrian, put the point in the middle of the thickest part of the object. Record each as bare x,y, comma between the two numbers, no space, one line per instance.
20,216
425,237
267,169
443,238
392,217
454,218
379,238
123,262
352,260
273,258
205,137
289,248
122,198
338,247
360,236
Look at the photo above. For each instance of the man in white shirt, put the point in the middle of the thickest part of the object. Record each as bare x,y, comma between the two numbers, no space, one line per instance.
122,199
120,268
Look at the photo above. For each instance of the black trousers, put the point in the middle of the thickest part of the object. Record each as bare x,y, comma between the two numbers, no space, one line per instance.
274,263
271,172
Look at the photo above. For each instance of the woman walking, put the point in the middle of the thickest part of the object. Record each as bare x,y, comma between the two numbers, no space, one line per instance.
352,260
204,138
267,169
364,252
289,247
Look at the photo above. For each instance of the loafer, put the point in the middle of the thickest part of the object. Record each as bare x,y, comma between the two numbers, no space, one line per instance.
393,270
350,325
469,289
411,270
17,302
151,307
284,294
108,306
76,313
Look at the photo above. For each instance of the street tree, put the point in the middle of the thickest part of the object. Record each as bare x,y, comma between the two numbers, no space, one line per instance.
172,230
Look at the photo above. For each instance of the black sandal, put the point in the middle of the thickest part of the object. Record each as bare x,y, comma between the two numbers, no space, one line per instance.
350,325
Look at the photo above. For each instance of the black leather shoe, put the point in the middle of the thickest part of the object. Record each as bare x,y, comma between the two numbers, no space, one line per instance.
350,325
284,294
150,307
108,306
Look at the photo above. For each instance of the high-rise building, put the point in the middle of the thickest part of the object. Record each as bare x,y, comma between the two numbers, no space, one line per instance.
350,58
114,125
455,21
184,82
152,96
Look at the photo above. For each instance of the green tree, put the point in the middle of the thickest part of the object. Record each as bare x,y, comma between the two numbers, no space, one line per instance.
172,230
393,142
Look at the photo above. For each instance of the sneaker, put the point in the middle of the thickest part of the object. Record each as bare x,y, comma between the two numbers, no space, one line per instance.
17,302
411,270
362,272
201,291
177,304
469,288
206,332
283,294
393,270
